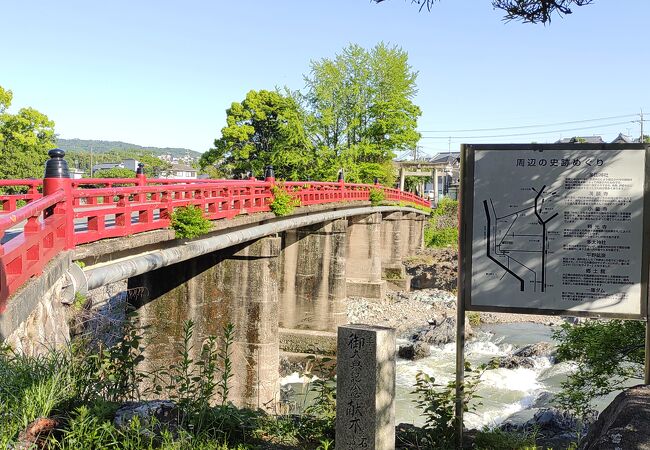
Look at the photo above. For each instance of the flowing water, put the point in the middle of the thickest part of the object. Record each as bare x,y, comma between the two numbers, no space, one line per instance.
504,391
513,394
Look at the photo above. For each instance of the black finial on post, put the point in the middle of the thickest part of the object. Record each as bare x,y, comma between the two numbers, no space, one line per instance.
56,166
376,180
250,174
140,169
341,177
269,173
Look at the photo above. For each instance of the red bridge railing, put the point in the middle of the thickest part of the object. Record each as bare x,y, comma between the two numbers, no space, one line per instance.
59,213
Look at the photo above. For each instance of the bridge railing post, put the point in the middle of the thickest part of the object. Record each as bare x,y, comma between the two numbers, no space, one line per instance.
269,177
341,181
57,177
141,179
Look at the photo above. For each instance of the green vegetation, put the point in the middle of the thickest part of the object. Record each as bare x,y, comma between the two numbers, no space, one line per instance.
190,222
266,128
115,172
501,440
283,202
99,147
376,196
81,387
437,404
442,229
474,318
356,112
25,138
607,353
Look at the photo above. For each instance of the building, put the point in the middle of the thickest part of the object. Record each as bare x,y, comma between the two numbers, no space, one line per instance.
104,166
581,140
129,163
181,171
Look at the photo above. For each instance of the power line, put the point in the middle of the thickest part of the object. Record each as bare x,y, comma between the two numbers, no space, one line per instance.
528,134
529,126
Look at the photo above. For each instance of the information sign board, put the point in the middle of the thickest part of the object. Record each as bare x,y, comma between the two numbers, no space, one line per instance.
555,229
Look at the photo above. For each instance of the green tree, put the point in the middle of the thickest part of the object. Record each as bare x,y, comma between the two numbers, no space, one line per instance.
361,111
531,11
607,354
266,128
25,138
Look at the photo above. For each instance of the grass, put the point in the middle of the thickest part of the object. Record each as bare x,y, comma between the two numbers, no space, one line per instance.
83,385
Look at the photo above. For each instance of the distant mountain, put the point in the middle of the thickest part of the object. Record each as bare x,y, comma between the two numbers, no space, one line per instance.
107,146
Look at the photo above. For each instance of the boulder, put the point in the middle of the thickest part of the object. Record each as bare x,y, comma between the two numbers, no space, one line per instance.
416,350
535,350
441,332
623,424
162,414
513,362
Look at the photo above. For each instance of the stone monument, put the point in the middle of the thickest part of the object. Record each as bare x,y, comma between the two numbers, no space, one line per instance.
365,388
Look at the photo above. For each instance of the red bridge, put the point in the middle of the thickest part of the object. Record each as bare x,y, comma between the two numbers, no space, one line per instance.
59,213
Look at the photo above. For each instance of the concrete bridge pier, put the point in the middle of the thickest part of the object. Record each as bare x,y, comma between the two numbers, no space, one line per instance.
412,228
313,286
238,286
393,271
363,270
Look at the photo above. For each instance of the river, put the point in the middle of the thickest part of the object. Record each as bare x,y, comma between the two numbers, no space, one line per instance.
513,394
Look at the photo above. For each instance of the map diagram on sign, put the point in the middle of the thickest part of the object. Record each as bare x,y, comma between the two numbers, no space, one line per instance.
518,238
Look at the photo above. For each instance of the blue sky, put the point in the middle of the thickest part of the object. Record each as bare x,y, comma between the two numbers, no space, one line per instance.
162,73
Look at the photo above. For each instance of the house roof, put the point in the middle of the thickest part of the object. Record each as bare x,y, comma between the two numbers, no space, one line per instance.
581,140
623,139
184,167
444,158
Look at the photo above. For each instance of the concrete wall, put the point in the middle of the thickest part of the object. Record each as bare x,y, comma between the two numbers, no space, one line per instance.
36,320
238,286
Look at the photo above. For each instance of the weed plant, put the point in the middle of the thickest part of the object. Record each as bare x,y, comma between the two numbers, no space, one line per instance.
283,202
376,196
83,385
189,222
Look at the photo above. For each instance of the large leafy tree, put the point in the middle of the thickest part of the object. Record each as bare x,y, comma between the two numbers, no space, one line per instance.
361,111
531,11
25,138
266,128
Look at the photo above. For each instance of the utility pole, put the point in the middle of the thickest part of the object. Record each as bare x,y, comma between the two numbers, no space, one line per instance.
641,121
91,161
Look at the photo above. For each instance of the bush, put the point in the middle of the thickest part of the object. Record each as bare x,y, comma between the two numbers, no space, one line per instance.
444,237
376,196
115,172
190,222
283,202
442,229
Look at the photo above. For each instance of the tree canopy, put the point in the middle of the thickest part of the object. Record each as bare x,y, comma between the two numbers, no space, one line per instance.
25,138
361,111
356,111
528,11
266,128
